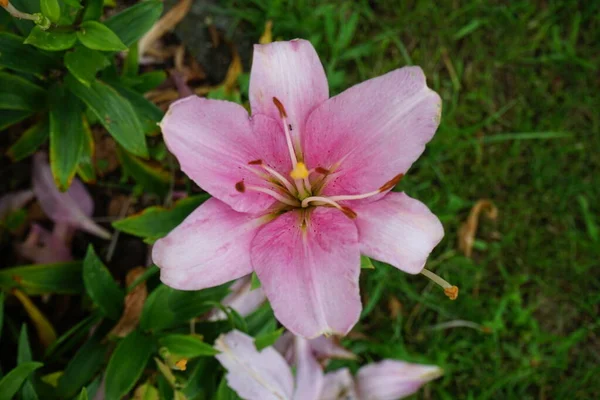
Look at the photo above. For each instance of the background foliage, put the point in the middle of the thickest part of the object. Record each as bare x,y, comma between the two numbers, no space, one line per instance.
519,83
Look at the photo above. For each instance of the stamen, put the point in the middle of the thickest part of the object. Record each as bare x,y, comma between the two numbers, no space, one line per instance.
276,175
449,290
388,185
275,195
286,129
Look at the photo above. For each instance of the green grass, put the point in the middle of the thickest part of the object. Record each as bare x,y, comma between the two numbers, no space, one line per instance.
520,87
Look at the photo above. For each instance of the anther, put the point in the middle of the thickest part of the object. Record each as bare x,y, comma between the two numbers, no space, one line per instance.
391,183
449,290
322,170
280,107
240,187
350,213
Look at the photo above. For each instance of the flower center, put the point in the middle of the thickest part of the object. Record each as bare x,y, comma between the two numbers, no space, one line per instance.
303,188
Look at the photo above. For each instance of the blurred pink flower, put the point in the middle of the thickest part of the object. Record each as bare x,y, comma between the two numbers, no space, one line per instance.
265,375
44,247
73,207
302,187
13,201
242,299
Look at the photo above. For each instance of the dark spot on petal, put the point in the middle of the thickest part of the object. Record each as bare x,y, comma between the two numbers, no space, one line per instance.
256,162
240,187
322,170
290,126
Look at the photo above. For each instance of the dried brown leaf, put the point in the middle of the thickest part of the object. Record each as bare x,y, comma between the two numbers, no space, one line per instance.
164,25
468,229
134,303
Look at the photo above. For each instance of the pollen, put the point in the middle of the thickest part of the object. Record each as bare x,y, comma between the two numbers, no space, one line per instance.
451,292
300,171
181,364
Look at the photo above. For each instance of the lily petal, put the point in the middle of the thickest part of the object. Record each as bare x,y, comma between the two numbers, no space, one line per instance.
74,207
391,380
373,131
43,247
253,374
339,385
210,247
291,72
242,299
398,230
215,140
324,348
310,273
309,374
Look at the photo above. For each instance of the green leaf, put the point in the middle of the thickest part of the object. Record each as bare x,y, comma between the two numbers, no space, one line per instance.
187,346
150,115
11,117
83,395
23,347
254,281
17,93
114,112
127,364
85,63
167,307
130,25
82,367
97,36
66,135
26,6
51,9
20,57
267,339
93,10
224,392
149,80
156,222
152,178
10,384
44,278
365,262
30,141
86,169
51,40
101,286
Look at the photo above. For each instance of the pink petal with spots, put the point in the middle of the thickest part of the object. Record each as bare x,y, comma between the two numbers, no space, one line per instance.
373,131
398,230
210,247
253,374
310,273
309,374
291,72
215,140
391,380
74,207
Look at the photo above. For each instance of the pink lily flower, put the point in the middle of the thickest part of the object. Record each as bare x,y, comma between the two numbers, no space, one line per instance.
302,187
323,348
265,375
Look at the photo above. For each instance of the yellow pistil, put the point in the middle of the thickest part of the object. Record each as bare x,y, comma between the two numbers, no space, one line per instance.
300,171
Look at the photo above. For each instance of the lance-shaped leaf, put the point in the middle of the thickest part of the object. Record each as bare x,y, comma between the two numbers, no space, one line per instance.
82,367
66,135
17,93
97,36
187,346
73,207
84,64
11,117
14,51
45,330
11,383
86,169
253,374
132,23
114,112
150,115
153,178
23,356
51,40
156,222
51,9
127,364
44,278
101,286
30,141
